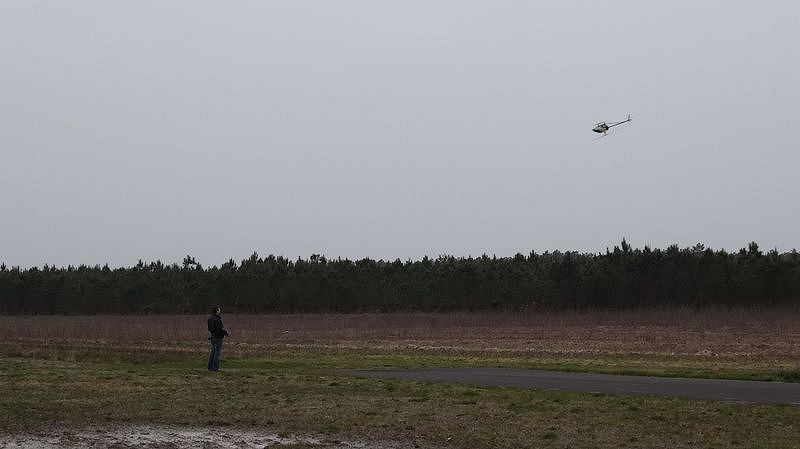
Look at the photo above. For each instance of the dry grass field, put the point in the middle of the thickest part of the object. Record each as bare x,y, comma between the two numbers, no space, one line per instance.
60,374
726,333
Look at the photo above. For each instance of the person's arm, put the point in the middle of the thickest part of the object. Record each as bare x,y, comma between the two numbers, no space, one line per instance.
222,328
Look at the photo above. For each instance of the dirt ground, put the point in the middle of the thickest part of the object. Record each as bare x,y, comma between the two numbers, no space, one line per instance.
755,334
176,437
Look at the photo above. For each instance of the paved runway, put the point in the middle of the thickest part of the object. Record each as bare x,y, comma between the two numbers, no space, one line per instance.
711,389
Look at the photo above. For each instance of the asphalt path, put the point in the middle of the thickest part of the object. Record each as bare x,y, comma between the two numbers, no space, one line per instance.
742,391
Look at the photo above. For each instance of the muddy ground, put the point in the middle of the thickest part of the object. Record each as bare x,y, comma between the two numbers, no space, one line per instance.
177,437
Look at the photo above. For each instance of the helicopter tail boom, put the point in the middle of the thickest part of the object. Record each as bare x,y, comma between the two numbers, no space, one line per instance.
629,119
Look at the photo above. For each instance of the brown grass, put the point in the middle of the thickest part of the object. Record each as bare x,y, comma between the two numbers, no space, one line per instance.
282,375
773,333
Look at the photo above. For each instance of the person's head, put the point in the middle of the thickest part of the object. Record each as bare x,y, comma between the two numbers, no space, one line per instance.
216,310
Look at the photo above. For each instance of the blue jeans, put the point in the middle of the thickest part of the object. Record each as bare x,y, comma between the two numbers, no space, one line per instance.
213,357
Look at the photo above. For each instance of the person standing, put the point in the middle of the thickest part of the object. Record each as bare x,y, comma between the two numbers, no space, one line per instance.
218,332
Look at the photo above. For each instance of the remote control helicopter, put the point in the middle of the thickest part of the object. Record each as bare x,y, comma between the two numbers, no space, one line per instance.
603,127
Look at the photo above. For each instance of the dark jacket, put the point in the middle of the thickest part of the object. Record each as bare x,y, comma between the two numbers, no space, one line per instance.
215,327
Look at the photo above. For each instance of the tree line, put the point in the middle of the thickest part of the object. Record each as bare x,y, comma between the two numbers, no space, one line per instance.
620,278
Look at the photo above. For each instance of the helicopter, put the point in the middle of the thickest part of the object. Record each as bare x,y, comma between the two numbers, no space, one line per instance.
603,127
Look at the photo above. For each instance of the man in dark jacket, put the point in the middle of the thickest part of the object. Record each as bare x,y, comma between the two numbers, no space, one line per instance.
218,332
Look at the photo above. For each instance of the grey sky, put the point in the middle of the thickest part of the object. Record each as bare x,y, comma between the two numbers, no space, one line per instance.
155,129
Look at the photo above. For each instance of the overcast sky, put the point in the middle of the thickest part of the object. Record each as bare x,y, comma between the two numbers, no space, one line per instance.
155,129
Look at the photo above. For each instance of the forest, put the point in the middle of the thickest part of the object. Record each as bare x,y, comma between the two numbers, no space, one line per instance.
622,277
